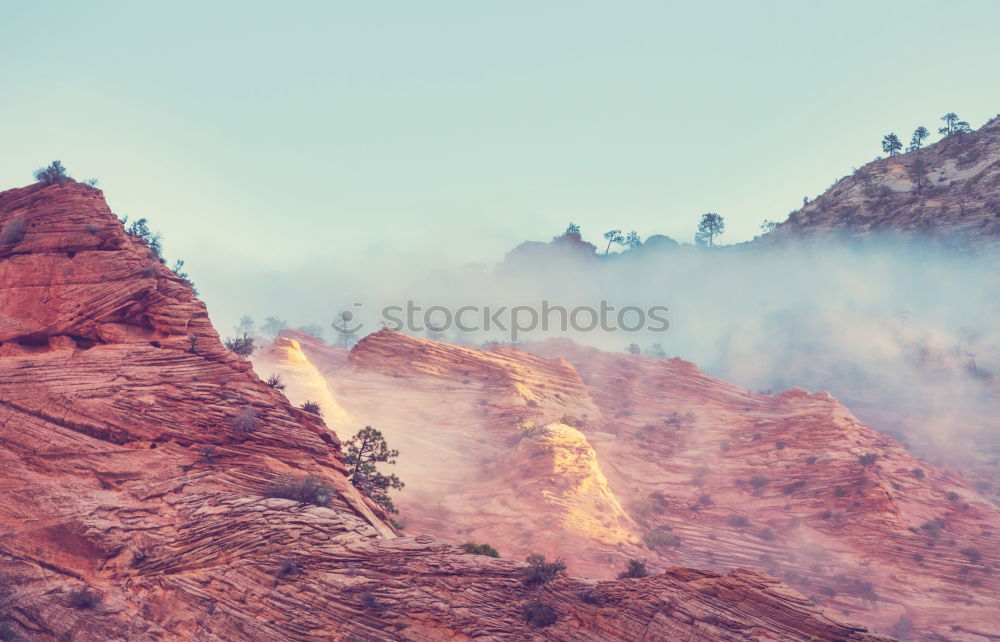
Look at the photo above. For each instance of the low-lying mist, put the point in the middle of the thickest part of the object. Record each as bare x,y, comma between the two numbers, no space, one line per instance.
905,335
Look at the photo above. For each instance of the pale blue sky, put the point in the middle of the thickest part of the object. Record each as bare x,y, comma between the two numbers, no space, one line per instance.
263,138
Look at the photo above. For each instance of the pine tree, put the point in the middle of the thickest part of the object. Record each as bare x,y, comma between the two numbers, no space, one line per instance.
361,453
891,144
920,134
711,225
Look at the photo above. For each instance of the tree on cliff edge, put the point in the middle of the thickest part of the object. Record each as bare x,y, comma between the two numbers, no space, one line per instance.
891,144
361,453
920,134
54,174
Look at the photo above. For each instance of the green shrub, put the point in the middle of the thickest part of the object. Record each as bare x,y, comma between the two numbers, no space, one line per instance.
635,569
243,345
275,382
972,554
13,231
84,599
759,481
245,420
738,521
867,459
313,407
661,537
539,572
540,615
54,174
480,549
592,597
933,527
307,490
369,601
289,567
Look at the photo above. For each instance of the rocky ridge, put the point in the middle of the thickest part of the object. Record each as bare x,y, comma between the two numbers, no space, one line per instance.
600,457
136,457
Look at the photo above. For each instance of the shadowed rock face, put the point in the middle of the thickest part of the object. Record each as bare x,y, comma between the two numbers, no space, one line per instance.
135,453
600,457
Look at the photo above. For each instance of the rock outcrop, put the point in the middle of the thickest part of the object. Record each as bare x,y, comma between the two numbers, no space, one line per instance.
599,457
139,460
947,192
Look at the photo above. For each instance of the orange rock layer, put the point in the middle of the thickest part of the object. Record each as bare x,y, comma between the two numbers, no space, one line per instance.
599,457
135,458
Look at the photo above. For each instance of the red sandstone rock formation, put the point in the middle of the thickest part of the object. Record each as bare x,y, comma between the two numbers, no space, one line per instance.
600,457
135,456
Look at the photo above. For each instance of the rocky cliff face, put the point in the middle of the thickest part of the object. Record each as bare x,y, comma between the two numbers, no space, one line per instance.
947,192
600,457
137,456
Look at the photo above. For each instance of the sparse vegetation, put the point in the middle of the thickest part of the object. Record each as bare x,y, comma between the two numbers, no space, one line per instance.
244,343
952,125
369,601
539,572
306,490
53,174
289,567
661,537
273,325
767,534
140,229
245,420
738,521
918,473
178,270
891,144
867,459
13,231
933,527
613,236
635,569
480,549
313,407
920,134
972,554
711,226
539,614
275,382
84,599
952,496
759,481
592,597
362,453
